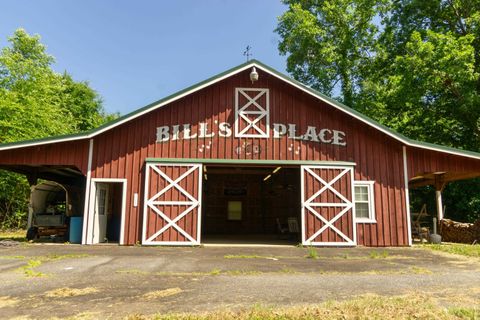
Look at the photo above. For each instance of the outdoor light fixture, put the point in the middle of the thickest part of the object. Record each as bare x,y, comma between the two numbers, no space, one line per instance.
267,177
276,170
205,176
254,75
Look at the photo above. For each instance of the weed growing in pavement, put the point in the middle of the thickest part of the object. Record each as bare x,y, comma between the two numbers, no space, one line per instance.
215,272
312,253
378,255
28,269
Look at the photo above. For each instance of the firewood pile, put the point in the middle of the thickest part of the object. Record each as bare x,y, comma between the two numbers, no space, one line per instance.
460,232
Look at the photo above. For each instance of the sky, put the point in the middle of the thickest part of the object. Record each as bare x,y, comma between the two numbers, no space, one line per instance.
136,52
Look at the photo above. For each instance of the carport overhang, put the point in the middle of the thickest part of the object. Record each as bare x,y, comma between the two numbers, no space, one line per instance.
69,175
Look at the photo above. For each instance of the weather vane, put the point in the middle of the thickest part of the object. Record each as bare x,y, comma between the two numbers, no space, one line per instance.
247,52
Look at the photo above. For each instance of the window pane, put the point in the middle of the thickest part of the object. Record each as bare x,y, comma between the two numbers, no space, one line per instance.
234,210
361,193
361,210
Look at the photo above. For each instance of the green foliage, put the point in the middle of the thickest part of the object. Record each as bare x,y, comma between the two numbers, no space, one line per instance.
36,102
412,65
312,253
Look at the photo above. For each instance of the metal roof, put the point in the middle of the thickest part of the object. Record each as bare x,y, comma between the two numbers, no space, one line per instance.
252,63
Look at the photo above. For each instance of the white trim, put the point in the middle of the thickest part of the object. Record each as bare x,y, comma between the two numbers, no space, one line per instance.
407,196
151,202
145,199
347,205
262,112
371,200
87,193
93,190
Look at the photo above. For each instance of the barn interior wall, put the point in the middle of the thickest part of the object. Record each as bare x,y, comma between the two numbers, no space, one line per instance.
263,202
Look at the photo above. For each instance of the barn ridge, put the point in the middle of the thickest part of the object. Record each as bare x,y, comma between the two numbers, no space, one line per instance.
221,76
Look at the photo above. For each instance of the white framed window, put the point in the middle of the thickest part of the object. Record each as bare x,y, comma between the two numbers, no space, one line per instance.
364,202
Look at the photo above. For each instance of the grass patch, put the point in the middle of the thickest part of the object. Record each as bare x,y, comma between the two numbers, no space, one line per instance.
466,250
312,253
246,256
161,293
34,262
16,235
411,306
70,292
215,272
12,257
379,255
28,269
55,257
243,272
132,271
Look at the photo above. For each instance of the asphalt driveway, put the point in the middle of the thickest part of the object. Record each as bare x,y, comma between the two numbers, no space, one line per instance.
43,281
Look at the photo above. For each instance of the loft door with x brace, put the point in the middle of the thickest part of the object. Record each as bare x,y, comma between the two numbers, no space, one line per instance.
252,114
172,204
327,206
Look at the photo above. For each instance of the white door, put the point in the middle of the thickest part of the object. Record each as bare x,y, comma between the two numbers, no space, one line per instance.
328,217
100,213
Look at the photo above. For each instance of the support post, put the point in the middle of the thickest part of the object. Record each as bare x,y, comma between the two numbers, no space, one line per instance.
438,194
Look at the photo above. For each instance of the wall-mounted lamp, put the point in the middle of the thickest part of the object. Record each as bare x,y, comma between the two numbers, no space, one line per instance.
254,75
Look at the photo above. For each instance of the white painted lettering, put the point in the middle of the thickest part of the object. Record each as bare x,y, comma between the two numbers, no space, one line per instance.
175,131
204,131
186,132
224,129
292,131
162,134
279,130
338,138
311,134
323,135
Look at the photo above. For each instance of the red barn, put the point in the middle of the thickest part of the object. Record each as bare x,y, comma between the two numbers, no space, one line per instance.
244,158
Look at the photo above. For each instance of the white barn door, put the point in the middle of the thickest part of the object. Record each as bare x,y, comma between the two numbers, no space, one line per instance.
328,217
172,205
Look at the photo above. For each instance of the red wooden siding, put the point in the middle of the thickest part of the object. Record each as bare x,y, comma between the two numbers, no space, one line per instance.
422,161
121,151
312,186
73,153
173,202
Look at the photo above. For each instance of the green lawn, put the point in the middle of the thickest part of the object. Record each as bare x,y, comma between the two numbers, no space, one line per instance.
17,235
411,306
467,250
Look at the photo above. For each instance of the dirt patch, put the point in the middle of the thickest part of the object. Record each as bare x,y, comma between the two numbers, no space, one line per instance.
7,301
70,292
162,293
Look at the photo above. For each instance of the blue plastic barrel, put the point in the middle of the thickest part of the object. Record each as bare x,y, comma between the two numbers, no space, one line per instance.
76,226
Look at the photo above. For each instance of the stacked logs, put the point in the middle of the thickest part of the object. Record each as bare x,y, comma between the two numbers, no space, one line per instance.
460,232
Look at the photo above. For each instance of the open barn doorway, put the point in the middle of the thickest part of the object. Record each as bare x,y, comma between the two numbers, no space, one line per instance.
251,205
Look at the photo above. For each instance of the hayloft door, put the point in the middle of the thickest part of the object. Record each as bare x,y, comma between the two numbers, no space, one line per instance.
327,206
172,205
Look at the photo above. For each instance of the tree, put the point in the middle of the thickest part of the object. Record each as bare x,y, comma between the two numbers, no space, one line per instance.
413,65
328,42
36,102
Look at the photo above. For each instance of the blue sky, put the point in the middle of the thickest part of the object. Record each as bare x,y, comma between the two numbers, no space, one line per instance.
136,52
